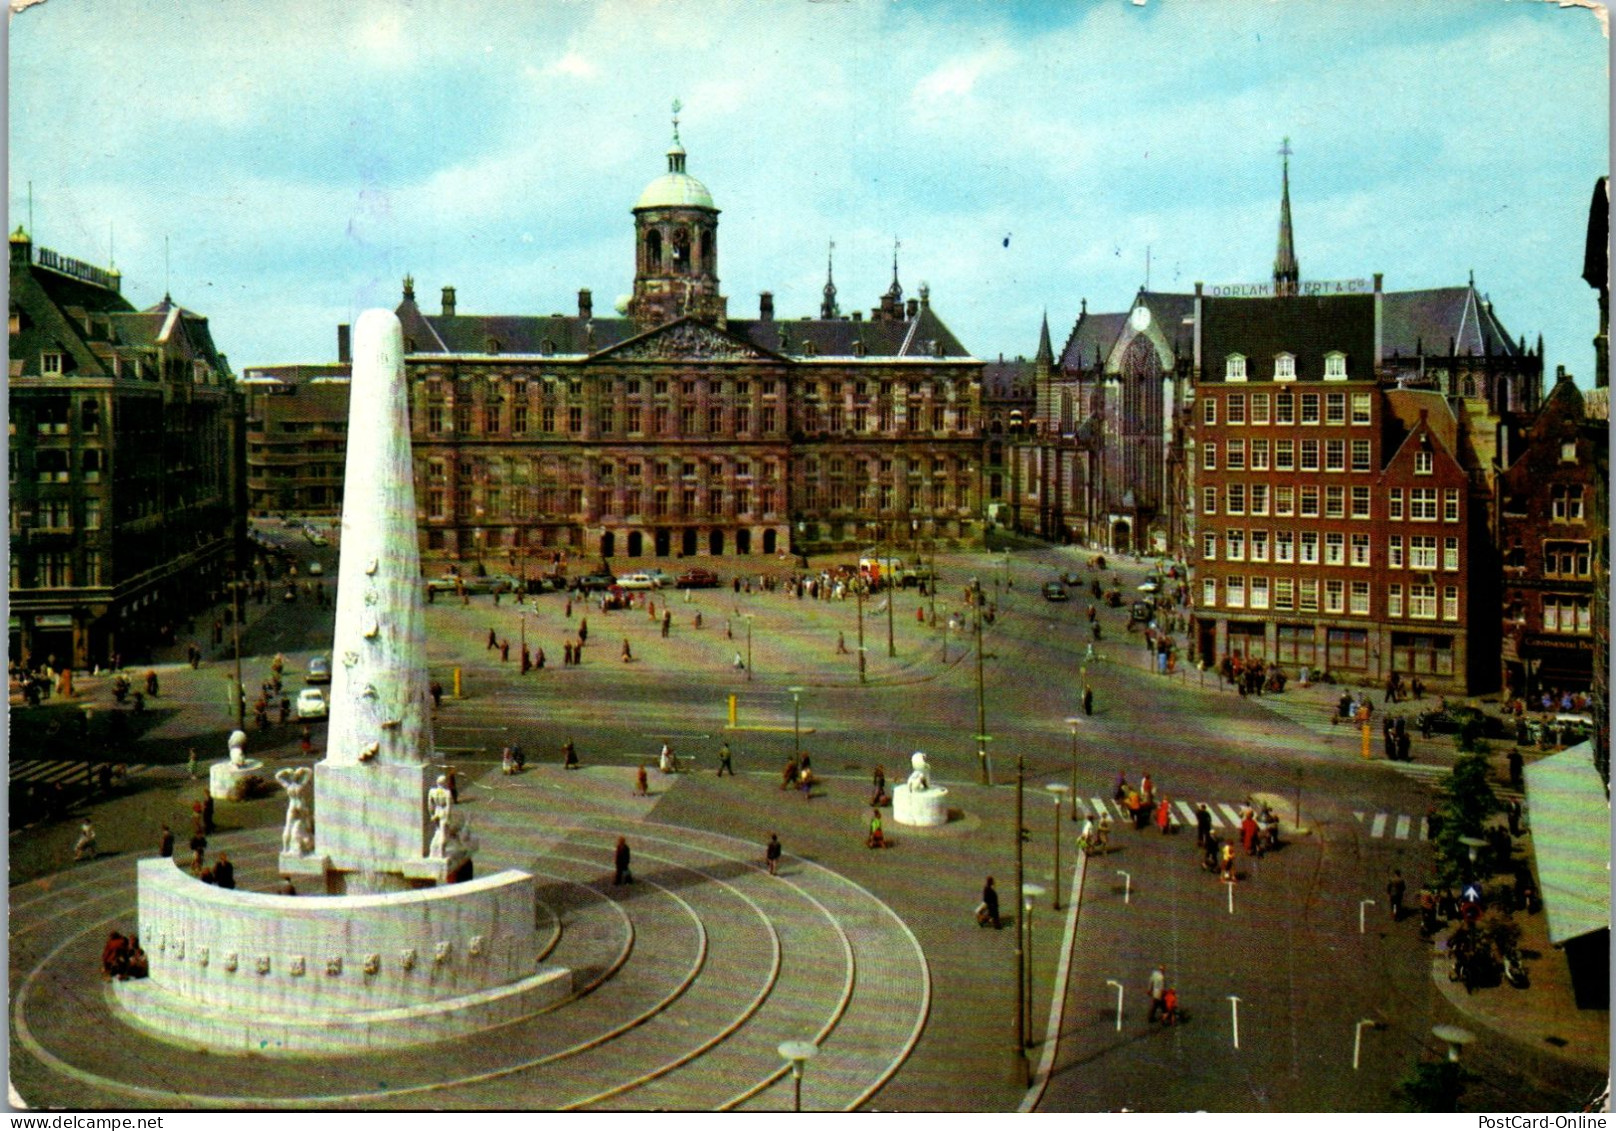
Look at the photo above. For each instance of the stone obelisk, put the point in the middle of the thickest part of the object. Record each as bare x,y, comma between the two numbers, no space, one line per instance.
378,826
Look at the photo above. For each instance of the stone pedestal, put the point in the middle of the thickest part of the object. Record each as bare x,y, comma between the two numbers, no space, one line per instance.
925,807
228,781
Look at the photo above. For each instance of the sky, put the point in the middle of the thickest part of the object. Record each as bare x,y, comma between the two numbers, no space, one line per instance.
297,158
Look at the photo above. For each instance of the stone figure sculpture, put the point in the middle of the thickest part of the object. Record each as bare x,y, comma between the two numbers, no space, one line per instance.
920,772
238,748
298,834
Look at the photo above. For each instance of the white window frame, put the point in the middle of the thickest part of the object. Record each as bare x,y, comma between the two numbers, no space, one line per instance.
1358,550
1234,367
1285,367
1335,595
1394,600
1358,598
1285,546
1335,366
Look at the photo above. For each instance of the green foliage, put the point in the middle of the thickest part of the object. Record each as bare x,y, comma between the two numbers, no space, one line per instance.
1433,1086
1467,801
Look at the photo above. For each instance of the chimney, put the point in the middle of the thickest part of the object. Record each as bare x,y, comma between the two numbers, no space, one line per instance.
448,302
586,304
766,306
912,307
343,353
858,316
1380,323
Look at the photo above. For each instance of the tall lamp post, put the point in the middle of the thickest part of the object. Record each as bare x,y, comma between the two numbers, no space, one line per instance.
981,702
892,593
796,723
1056,789
747,617
235,630
1030,894
858,592
1072,725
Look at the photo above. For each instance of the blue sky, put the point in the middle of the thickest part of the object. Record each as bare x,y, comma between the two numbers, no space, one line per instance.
302,156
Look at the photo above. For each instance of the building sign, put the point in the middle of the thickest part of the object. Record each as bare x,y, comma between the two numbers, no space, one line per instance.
54,620
1308,287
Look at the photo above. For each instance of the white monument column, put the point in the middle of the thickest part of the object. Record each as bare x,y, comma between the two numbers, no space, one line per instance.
375,827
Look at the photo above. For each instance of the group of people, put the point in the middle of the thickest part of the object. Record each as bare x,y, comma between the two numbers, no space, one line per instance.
123,958
1251,676
1144,804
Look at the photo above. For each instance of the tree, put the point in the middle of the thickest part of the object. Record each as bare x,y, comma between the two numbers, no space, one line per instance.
1467,801
1433,1086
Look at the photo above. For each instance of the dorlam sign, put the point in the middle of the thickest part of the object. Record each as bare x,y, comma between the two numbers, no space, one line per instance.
1307,287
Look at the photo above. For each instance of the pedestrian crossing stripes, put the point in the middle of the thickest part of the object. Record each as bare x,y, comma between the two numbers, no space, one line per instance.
1400,826
1181,814
45,771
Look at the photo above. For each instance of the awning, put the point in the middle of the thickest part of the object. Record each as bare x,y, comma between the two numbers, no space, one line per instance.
1570,819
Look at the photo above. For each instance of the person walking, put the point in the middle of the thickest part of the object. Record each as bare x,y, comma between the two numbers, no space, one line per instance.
569,756
1396,888
620,861
1164,816
642,787
987,912
627,654
165,843
1227,864
1088,700
724,760
1158,992
199,849
190,763
207,812
771,855
877,837
1517,766
667,622
85,845
224,872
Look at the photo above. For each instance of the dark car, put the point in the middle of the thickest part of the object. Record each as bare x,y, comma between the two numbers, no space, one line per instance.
593,582
1142,612
1055,591
697,578
1070,577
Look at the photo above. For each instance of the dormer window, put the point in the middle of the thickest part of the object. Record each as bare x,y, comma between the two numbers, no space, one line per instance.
547,347
1335,366
50,363
1285,367
492,345
1234,367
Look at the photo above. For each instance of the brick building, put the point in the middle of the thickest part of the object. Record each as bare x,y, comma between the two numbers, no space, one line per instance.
1548,542
676,429
297,437
124,479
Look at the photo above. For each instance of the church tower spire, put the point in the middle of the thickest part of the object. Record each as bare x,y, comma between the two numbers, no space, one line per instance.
828,308
1287,275
1046,353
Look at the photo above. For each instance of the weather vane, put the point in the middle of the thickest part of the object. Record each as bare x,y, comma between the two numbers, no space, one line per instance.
677,106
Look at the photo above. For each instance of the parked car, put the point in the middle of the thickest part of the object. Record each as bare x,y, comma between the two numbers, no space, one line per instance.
319,670
1143,612
697,578
592,582
311,704
1055,591
639,580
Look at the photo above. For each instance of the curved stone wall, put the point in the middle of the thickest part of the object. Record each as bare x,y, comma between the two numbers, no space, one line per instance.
331,961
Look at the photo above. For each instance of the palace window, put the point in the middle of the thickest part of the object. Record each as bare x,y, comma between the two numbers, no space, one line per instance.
575,419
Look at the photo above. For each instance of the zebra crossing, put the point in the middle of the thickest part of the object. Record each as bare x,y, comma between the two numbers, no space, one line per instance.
45,771
1226,816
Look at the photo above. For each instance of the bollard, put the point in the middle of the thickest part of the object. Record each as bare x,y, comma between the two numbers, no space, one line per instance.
457,693
732,711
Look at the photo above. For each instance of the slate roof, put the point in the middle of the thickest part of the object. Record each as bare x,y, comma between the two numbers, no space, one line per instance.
1007,379
1092,337
1308,326
1403,420
40,297
299,374
1412,321
569,334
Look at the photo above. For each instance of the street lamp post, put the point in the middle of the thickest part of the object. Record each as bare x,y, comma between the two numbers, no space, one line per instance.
798,1053
796,722
1029,898
748,618
1072,723
235,630
1021,954
981,702
1056,789
858,592
892,595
